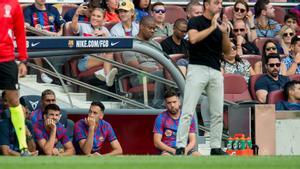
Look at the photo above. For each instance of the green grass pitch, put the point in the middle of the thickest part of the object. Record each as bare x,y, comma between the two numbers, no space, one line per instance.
145,162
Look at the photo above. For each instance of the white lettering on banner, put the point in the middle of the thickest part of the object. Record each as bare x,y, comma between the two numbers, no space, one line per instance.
92,44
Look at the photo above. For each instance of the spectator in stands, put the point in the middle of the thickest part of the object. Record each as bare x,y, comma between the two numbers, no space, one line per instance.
49,131
47,97
9,144
292,62
232,63
241,40
241,12
46,18
110,7
145,63
269,47
193,9
158,11
127,26
291,92
265,25
176,44
285,36
296,11
165,128
290,19
92,132
84,16
272,80
142,8
94,28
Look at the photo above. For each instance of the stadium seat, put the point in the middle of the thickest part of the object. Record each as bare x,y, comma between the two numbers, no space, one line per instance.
252,59
74,72
228,11
173,13
259,42
279,13
236,88
295,77
253,80
32,101
275,96
124,84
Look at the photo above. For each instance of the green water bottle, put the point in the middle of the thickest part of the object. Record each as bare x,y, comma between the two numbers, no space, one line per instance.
235,144
249,142
242,143
229,143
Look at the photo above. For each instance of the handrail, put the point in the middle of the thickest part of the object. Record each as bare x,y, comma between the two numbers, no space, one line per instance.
134,70
91,87
137,46
61,81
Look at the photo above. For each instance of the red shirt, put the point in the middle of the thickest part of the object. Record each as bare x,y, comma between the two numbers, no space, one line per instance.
12,25
111,17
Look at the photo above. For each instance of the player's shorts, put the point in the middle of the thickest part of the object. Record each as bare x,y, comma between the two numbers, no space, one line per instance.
9,76
189,153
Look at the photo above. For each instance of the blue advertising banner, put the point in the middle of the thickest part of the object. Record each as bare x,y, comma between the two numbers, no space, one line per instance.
33,43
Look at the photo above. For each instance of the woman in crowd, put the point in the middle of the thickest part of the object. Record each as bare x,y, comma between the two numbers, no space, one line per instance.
110,7
142,8
127,26
270,46
241,11
232,63
94,28
285,35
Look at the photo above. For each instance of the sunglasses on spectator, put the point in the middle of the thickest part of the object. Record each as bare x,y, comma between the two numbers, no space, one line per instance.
288,34
291,21
239,10
271,48
274,64
159,10
241,30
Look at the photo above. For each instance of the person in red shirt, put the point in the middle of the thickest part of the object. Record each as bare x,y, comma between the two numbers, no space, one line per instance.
12,26
110,14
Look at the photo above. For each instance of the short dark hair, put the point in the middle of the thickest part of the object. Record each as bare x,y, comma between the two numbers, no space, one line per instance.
54,107
170,93
290,15
146,19
295,39
289,86
180,21
272,56
99,104
156,4
259,6
3,94
137,4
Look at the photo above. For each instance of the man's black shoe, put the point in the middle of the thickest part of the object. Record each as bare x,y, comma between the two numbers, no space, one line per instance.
179,151
217,151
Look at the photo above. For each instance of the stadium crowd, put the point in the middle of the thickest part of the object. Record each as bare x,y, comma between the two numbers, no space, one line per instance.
262,45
